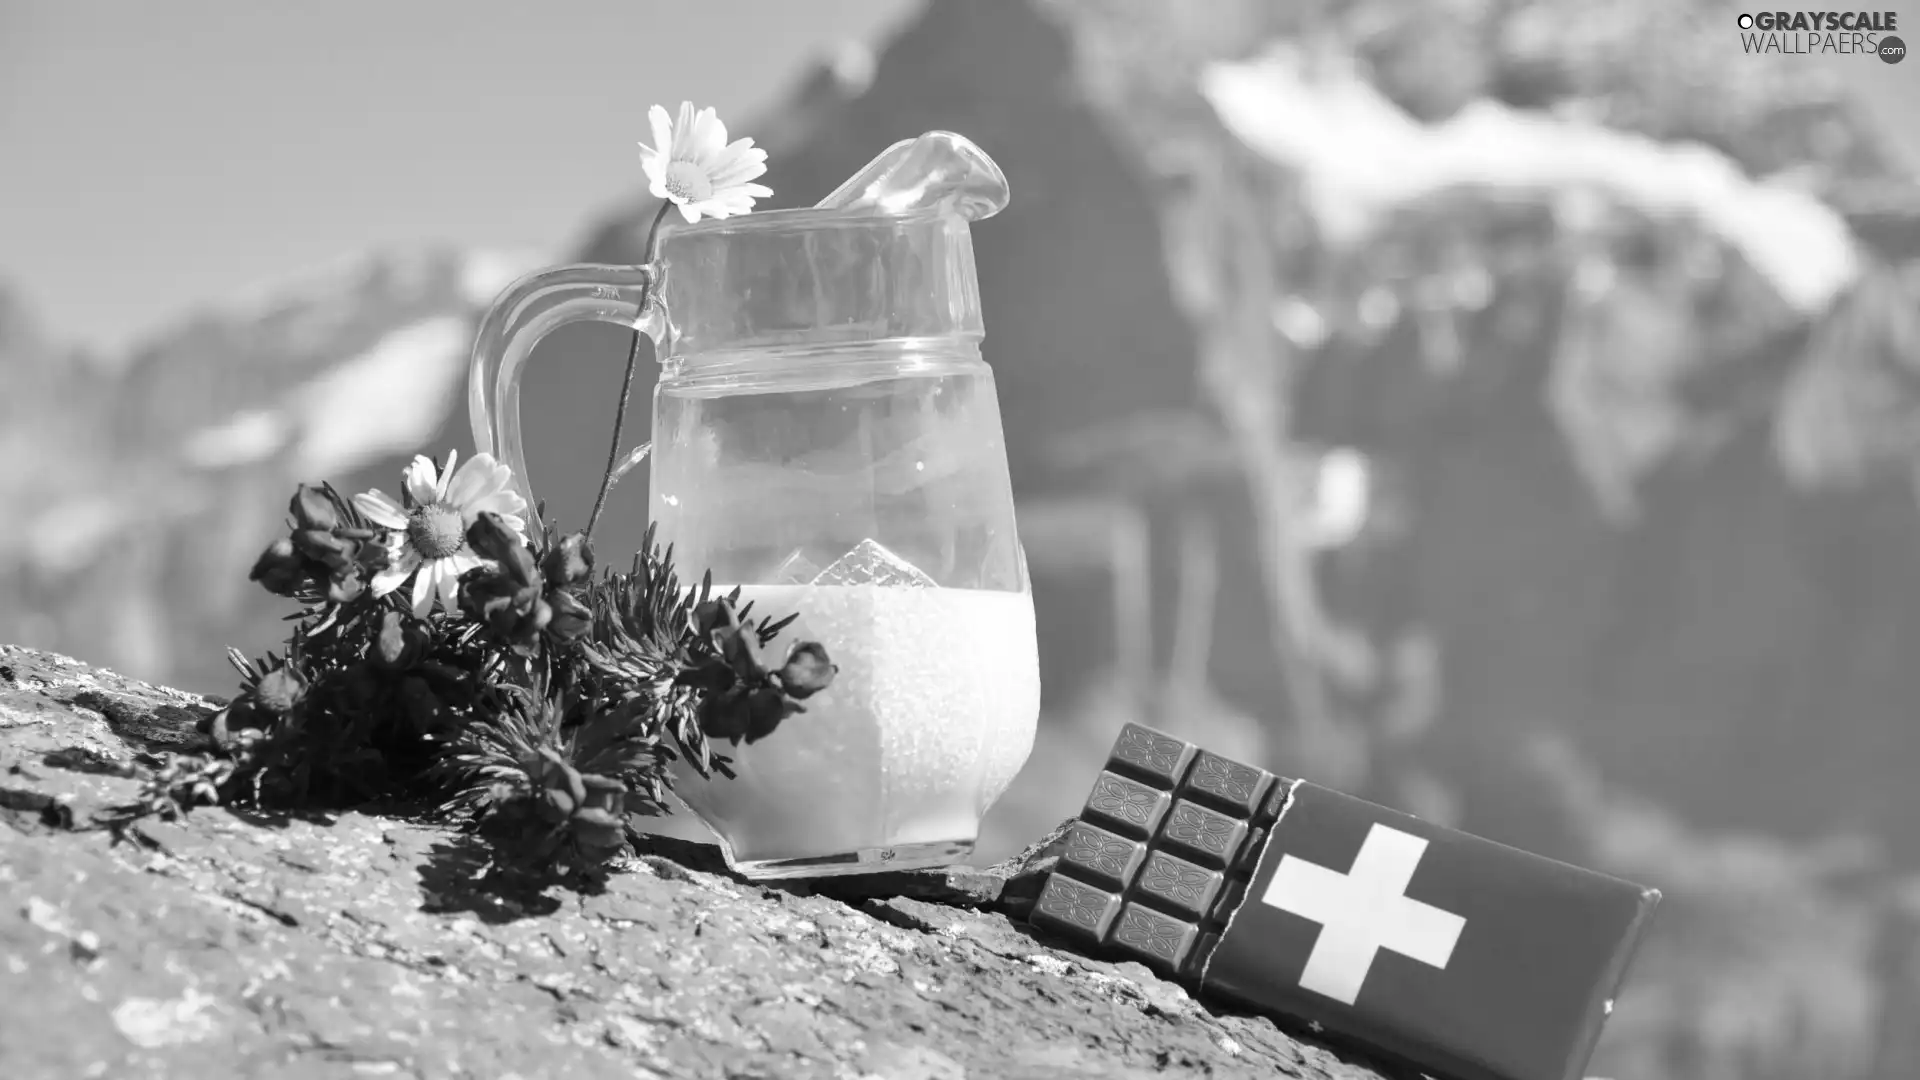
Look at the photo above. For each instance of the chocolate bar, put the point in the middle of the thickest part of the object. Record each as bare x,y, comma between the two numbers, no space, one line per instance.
1464,958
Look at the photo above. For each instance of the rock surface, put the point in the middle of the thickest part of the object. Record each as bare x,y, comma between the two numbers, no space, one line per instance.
360,944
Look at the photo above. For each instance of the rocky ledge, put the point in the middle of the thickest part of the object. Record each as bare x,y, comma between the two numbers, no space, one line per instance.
366,944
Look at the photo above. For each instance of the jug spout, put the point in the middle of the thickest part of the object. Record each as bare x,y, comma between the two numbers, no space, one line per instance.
939,168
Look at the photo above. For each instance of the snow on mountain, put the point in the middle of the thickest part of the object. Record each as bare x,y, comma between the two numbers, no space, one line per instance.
484,275
1360,154
248,436
388,401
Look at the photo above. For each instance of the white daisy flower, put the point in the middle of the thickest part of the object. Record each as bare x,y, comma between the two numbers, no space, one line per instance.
692,165
431,525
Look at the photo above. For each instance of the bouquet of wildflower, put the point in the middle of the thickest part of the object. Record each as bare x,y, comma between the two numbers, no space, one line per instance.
442,650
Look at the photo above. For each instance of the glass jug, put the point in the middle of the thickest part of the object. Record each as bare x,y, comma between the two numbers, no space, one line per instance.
827,437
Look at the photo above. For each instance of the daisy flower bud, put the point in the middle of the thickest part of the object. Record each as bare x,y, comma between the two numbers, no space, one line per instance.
311,509
570,561
571,618
280,690
807,670
280,569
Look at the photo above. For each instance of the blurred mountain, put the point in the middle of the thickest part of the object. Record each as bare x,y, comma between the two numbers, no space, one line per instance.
141,491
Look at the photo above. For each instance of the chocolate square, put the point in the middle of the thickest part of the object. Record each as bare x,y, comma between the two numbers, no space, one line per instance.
1158,940
1206,836
1102,857
1160,760
1075,908
1227,786
1177,886
1125,806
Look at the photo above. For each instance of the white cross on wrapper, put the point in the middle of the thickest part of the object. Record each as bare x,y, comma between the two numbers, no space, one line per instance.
1363,911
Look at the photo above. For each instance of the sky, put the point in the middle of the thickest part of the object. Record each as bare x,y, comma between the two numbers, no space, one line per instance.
156,156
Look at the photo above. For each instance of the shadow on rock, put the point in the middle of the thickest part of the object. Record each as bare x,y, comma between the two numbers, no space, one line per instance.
689,854
1010,886
459,876
159,728
278,818
81,759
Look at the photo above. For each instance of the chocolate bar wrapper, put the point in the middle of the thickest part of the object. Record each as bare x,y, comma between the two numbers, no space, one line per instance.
1465,958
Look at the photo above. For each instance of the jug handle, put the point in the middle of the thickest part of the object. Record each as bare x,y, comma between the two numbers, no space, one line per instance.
527,311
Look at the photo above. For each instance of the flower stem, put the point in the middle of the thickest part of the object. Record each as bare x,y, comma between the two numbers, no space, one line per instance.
626,385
